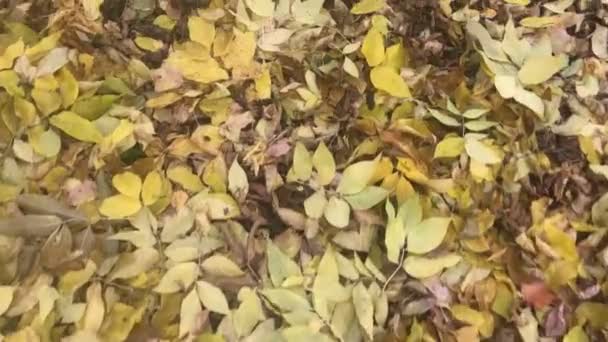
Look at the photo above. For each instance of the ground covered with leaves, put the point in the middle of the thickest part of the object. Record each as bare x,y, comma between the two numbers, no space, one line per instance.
318,170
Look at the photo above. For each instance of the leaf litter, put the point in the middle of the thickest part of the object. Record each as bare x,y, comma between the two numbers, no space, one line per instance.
303,170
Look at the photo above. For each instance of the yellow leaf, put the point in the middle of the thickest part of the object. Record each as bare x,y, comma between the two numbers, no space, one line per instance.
263,85
127,183
364,308
91,8
68,87
422,267
249,312
215,174
518,2
196,67
130,265
45,45
366,198
324,163
314,205
189,314
240,50
119,322
337,212
449,147
11,53
212,297
396,57
163,100
373,47
165,22
45,143
119,206
237,181
538,69
367,6
540,22
218,206
356,177
481,152
576,334
302,162
184,177
201,31
95,310
152,188
71,281
46,101
25,110
148,44
178,278
387,79
9,80
6,297
220,265
76,127
263,8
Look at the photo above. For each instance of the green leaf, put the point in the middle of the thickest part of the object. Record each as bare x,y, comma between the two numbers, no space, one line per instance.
93,107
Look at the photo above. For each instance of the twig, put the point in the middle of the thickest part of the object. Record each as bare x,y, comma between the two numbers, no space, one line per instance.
400,266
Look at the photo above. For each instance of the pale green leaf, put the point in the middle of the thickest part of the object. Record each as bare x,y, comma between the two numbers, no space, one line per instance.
427,235
212,297
337,212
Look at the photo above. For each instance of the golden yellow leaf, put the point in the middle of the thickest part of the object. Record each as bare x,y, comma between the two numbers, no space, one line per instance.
119,206
373,47
127,183
387,79
201,31
152,188
11,53
240,50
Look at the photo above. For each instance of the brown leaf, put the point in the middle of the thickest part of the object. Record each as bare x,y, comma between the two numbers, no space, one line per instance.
537,294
